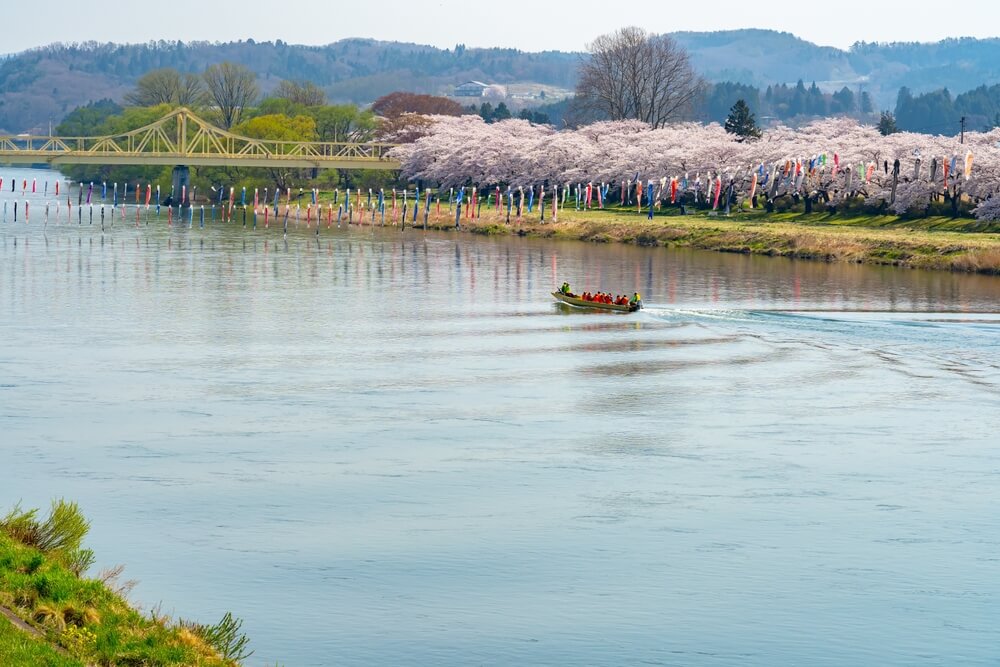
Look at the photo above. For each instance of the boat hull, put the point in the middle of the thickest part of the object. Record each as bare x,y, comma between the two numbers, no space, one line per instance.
580,303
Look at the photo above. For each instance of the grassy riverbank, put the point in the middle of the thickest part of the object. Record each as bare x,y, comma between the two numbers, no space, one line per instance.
51,614
941,243
18,647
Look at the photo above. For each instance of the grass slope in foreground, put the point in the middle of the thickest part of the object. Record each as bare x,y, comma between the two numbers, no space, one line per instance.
17,647
83,621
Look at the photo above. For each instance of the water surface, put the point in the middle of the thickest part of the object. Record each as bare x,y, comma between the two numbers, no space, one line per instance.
382,447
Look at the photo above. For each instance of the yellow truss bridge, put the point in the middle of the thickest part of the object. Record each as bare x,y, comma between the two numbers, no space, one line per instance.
182,139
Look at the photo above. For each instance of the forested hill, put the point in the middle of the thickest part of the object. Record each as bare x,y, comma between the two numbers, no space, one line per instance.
763,57
42,85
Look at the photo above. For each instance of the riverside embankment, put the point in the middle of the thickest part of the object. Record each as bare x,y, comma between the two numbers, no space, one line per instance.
938,243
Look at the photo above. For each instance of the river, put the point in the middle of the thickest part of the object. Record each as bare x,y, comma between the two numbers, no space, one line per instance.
385,447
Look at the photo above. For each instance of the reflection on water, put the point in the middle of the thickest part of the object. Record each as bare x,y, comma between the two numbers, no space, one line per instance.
386,447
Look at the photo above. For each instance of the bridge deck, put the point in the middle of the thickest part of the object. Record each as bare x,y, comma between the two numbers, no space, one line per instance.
194,160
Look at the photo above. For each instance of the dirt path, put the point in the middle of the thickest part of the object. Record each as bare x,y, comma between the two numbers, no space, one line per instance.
18,623
34,632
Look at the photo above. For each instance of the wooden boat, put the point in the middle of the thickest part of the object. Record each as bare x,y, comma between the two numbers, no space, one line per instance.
581,303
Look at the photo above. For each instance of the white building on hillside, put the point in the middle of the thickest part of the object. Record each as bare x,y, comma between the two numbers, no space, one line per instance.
471,89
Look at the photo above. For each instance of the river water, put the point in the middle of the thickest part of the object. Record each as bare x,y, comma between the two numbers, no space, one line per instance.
382,447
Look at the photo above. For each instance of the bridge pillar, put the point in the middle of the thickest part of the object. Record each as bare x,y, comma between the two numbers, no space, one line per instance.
182,184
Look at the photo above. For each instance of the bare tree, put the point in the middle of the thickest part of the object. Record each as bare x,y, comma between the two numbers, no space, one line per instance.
156,87
634,74
232,87
167,86
191,91
306,93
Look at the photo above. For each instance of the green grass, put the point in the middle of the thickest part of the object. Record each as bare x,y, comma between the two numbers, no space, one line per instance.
936,242
87,617
931,223
18,648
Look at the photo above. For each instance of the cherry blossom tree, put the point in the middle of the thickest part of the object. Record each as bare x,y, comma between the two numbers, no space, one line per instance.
830,162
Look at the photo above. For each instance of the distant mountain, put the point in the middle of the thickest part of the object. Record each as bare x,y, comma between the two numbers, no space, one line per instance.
42,85
764,57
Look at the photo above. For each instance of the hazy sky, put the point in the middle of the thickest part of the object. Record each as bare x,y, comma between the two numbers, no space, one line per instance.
530,25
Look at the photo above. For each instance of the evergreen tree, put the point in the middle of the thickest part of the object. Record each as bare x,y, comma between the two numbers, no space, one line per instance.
866,103
887,124
931,112
719,98
797,106
815,102
742,123
843,101
536,117
501,112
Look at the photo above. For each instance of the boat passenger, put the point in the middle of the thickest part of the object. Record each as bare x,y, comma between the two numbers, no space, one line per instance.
636,300
565,288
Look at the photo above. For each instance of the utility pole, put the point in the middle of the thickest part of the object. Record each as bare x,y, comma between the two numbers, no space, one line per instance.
962,141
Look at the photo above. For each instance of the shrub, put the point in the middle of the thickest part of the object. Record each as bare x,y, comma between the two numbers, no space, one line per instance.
80,617
49,617
62,532
226,638
21,526
111,578
79,561
55,585
34,562
25,598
